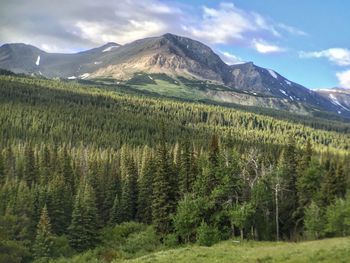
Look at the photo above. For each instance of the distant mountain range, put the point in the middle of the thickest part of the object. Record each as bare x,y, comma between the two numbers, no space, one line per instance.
176,66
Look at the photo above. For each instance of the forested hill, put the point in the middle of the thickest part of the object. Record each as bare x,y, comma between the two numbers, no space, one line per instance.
40,110
108,170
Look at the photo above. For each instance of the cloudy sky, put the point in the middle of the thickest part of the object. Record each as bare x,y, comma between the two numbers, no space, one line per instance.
306,41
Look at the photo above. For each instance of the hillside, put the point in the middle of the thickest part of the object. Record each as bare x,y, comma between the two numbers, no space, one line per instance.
142,114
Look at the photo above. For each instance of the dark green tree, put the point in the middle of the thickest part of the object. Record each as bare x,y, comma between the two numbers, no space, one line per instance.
162,205
130,193
289,216
83,231
144,204
43,241
29,173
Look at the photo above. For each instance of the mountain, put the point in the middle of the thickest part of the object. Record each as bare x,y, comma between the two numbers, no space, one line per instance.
173,66
338,96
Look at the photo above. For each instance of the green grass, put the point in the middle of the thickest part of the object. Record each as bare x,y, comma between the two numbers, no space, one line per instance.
328,250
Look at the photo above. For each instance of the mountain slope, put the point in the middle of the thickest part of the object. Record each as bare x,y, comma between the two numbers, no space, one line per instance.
173,66
340,97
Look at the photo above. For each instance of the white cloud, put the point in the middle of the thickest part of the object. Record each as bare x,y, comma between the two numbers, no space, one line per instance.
292,30
223,25
72,25
344,78
263,47
339,56
230,58
229,24
101,32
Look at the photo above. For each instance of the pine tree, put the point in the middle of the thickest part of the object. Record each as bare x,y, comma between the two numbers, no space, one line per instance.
305,158
9,163
29,174
144,203
66,170
130,193
45,169
211,179
341,181
83,231
289,201
2,169
59,205
43,240
329,188
109,196
185,179
162,205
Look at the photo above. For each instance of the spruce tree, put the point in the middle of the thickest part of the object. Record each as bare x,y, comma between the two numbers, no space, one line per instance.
59,205
130,192
116,214
211,179
2,169
29,173
144,203
9,163
341,180
43,241
45,170
83,231
162,205
329,188
289,201
186,177
65,169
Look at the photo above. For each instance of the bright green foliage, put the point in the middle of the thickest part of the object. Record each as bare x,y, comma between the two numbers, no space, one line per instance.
338,217
314,221
240,216
43,240
188,217
207,235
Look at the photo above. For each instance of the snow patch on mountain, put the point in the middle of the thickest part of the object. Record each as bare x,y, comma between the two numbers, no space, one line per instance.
85,75
336,102
272,73
37,62
110,48
288,82
283,92
72,77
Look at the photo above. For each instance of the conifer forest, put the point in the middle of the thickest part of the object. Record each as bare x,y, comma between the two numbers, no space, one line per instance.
99,173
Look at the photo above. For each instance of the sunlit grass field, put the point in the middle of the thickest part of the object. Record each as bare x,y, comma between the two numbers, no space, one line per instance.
328,250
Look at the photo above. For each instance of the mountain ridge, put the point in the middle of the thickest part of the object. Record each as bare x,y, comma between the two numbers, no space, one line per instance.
174,56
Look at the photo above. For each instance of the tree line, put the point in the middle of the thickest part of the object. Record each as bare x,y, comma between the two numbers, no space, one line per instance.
189,193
